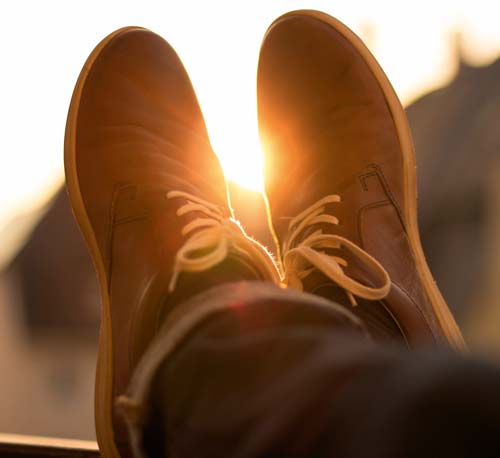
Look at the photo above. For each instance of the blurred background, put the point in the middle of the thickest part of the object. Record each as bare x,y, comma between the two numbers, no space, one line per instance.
441,57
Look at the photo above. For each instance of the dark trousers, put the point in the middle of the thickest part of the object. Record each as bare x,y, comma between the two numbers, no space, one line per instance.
284,378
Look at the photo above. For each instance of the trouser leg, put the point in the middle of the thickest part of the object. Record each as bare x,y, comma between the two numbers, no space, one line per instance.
286,374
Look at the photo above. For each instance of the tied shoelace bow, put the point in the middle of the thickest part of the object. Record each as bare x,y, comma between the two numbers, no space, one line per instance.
211,238
309,254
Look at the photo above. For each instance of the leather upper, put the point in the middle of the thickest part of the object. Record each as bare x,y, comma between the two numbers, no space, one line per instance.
324,120
140,134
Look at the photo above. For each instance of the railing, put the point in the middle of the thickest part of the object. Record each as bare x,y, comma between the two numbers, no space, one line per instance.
18,446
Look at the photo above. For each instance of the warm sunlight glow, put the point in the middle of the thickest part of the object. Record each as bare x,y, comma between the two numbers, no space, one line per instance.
241,159
219,43
227,98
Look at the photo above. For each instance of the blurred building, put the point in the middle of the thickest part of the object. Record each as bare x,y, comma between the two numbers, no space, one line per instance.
55,276
49,320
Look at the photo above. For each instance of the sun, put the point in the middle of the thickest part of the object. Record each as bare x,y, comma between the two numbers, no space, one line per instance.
240,156
233,130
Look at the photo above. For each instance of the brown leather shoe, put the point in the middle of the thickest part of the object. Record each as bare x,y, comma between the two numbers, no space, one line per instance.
150,198
340,178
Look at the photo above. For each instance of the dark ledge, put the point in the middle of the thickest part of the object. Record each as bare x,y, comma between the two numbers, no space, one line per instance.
16,446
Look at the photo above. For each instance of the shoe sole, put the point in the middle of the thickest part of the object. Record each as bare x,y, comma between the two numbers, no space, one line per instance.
445,318
104,372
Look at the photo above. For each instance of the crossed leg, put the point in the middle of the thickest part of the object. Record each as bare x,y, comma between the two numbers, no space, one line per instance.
279,373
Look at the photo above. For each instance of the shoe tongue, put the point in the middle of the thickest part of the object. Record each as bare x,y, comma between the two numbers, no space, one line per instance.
235,268
373,314
318,283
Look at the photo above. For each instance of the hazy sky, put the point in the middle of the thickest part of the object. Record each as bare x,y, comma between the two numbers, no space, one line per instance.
44,45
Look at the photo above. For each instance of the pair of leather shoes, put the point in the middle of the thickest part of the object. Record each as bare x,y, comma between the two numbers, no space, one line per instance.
151,200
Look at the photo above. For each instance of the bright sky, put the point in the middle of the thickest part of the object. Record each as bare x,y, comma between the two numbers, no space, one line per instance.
44,44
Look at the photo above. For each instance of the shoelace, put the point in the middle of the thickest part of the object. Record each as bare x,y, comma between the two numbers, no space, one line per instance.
212,238
309,254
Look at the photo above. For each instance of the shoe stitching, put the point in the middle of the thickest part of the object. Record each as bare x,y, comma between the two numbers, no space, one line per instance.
389,193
